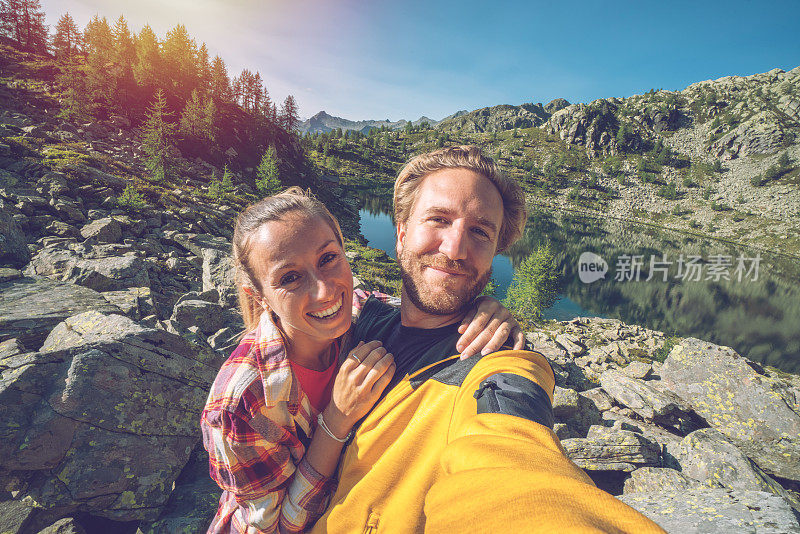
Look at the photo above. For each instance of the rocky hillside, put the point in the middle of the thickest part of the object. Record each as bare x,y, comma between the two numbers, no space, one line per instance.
117,306
499,118
323,122
719,159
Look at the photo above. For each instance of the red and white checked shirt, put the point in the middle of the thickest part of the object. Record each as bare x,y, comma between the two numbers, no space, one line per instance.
253,426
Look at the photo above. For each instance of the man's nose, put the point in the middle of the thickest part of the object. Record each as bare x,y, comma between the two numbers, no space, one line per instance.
454,243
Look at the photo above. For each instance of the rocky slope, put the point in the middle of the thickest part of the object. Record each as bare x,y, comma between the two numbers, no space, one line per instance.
323,122
113,322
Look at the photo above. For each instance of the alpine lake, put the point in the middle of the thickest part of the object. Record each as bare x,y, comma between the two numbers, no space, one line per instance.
681,284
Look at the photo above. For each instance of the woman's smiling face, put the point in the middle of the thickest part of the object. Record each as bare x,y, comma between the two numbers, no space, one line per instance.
304,277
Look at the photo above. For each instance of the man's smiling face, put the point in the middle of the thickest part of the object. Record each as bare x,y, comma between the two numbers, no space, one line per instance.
446,246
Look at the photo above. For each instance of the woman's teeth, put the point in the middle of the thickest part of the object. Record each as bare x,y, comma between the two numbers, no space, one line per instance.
330,311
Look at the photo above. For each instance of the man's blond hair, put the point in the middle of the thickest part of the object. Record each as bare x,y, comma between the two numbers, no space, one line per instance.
463,157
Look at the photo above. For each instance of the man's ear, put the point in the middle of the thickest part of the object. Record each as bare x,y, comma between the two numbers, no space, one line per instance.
401,235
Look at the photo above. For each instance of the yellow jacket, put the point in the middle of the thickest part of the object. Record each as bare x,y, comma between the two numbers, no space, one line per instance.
426,460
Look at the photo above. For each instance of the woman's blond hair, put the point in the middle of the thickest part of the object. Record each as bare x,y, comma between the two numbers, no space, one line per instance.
463,157
275,208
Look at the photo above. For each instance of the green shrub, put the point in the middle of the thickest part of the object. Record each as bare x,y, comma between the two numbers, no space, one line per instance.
218,188
490,289
662,352
694,224
534,286
574,193
706,193
668,191
757,180
612,166
267,181
784,161
688,182
131,200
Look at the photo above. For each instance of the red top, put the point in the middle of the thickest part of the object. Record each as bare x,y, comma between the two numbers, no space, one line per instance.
316,384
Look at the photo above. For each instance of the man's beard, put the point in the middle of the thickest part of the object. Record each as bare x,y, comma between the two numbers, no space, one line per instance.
428,300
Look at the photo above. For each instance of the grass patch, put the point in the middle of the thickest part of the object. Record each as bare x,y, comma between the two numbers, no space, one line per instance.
662,352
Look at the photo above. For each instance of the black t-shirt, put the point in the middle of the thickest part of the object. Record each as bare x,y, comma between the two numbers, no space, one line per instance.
412,348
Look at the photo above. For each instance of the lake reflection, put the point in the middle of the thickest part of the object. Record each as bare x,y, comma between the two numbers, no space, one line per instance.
756,313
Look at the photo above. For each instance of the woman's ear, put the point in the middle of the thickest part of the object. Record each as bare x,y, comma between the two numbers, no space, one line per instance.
255,296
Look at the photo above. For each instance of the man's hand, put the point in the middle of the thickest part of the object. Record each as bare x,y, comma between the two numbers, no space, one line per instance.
486,327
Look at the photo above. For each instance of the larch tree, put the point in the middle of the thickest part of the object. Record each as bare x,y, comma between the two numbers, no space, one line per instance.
74,105
67,38
126,88
267,174
198,118
158,138
203,69
23,22
99,44
147,66
220,83
179,53
290,114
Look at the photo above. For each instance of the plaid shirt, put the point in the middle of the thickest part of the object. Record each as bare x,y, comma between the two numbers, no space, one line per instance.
257,424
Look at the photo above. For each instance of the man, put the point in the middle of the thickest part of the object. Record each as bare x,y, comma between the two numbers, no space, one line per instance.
459,445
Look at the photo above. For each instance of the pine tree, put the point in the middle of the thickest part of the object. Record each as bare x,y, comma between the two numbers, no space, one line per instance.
158,134
267,175
67,39
289,116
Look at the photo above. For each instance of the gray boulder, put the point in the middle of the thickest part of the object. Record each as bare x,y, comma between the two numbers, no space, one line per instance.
715,511
31,307
737,398
656,479
219,274
133,302
193,503
13,245
205,315
575,410
661,407
218,270
107,274
105,230
708,456
100,271
105,418
607,449
67,525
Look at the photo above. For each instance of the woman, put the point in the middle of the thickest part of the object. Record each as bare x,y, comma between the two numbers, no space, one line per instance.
282,405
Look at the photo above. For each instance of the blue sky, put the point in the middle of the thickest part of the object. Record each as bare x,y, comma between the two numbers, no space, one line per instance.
379,59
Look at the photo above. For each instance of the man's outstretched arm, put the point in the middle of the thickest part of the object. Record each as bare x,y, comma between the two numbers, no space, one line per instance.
504,467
